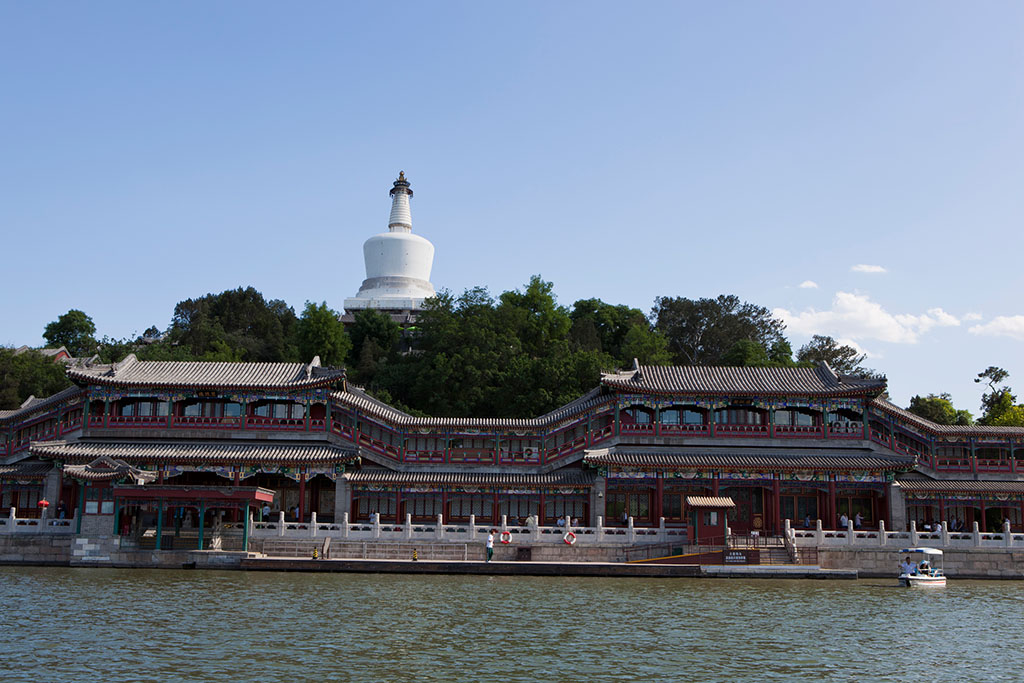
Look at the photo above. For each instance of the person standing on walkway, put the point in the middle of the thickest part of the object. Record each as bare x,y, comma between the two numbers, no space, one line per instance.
490,545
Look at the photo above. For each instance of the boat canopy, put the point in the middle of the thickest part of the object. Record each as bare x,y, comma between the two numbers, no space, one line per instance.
922,551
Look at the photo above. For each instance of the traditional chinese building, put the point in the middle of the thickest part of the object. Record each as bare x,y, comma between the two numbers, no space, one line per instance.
780,443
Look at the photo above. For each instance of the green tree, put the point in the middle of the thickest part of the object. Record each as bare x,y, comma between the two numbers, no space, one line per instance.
321,333
939,409
844,359
241,319
598,326
702,331
375,337
998,399
648,346
74,331
28,373
1010,417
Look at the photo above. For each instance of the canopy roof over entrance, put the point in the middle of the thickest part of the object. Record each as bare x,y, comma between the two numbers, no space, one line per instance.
233,494
710,502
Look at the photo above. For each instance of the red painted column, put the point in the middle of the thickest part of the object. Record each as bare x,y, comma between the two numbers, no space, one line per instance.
540,514
981,522
444,505
777,504
714,485
832,507
887,513
302,496
660,502
398,507
495,511
235,511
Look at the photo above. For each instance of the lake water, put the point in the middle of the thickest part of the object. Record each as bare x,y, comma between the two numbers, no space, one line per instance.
128,625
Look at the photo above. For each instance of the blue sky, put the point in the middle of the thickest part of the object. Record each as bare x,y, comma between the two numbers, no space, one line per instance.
856,166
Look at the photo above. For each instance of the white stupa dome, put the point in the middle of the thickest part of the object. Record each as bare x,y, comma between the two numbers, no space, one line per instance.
398,262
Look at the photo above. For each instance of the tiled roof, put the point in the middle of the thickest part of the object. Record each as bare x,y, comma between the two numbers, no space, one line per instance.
939,486
944,430
133,372
25,470
360,400
735,459
34,404
569,478
710,502
707,379
108,469
189,451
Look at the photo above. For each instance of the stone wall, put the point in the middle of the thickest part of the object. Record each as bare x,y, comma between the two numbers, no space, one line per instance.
40,549
976,563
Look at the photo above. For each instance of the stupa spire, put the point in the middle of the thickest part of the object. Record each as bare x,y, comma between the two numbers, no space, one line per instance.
401,217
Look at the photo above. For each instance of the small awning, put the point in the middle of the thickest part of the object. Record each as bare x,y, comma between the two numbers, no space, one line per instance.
710,502
25,470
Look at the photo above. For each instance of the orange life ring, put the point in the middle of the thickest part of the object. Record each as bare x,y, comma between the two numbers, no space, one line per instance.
569,538
505,537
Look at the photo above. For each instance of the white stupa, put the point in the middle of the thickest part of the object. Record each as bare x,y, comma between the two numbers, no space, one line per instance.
398,262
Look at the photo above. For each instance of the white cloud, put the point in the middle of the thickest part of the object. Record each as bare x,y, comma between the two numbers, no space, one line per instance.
969,317
1002,326
856,317
808,284
865,268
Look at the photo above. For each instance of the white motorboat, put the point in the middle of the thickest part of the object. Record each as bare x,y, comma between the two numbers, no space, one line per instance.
922,567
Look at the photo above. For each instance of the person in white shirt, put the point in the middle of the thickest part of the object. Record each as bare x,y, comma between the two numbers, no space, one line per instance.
490,545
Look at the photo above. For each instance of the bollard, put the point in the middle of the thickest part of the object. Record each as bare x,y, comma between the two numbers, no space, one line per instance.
415,555
312,525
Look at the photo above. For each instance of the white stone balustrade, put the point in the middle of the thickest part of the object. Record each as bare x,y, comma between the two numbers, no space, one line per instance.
940,538
44,524
439,530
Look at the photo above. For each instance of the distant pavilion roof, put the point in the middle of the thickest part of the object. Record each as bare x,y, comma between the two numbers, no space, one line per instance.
131,372
944,430
814,460
707,379
560,479
33,404
108,469
195,452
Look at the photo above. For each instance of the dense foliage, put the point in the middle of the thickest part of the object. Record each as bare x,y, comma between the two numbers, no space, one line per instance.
28,374
520,354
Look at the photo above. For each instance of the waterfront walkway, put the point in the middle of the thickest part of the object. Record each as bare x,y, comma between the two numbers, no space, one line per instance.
542,568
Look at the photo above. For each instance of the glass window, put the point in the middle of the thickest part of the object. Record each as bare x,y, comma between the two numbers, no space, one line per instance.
232,409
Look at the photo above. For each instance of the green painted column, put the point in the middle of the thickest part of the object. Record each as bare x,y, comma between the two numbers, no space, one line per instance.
327,422
616,418
81,506
159,524
306,408
117,512
202,515
245,528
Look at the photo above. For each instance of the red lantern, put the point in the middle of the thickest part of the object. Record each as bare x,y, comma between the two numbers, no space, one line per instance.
44,503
